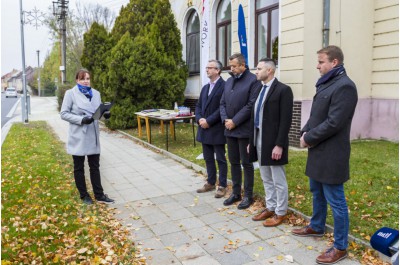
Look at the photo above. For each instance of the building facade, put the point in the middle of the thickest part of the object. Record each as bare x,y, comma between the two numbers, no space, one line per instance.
292,31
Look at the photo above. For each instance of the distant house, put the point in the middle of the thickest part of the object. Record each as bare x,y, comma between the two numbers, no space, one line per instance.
16,79
5,78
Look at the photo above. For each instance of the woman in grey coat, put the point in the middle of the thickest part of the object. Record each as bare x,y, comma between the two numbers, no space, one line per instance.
79,104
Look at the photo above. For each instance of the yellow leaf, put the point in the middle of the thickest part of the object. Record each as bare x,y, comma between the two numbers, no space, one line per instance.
389,187
368,238
280,257
56,258
260,248
310,247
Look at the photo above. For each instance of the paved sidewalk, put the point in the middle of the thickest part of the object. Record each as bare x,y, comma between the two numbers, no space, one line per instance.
156,199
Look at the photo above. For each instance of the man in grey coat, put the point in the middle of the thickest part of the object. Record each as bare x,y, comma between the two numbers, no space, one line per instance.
327,137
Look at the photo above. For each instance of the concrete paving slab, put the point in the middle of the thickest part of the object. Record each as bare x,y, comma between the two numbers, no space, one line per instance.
201,261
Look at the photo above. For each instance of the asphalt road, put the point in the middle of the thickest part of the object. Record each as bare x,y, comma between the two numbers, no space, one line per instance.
8,104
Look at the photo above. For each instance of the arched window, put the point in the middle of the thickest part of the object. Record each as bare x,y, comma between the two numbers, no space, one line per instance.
224,38
193,43
267,26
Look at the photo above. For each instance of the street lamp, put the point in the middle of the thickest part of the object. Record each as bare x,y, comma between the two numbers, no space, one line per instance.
24,106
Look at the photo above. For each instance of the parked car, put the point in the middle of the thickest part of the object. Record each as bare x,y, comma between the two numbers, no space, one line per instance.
11,92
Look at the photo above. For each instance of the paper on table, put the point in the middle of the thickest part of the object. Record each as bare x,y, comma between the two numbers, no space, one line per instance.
106,106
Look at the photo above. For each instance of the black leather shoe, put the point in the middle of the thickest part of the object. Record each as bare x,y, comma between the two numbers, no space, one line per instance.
232,199
245,203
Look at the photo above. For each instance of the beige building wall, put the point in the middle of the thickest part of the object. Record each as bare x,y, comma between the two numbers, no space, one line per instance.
385,52
367,32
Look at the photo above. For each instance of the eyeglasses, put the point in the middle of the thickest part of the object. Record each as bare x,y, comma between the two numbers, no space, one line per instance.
208,68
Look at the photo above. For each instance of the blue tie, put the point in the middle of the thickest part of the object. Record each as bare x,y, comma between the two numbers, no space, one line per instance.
260,101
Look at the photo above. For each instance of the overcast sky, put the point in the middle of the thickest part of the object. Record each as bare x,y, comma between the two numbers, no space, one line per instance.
35,39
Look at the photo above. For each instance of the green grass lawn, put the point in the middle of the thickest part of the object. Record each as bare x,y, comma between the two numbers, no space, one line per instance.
372,192
42,217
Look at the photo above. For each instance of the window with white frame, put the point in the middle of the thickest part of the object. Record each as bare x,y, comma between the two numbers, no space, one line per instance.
267,26
193,43
224,38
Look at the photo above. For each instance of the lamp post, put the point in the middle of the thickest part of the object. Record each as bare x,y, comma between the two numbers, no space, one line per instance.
38,64
24,105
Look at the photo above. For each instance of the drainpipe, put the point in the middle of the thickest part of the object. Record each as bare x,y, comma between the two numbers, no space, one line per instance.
325,28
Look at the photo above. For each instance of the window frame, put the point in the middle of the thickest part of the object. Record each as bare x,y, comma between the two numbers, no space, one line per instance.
258,12
195,71
219,25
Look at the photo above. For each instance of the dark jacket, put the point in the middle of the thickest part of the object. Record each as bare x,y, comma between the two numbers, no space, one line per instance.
208,107
328,131
275,125
236,103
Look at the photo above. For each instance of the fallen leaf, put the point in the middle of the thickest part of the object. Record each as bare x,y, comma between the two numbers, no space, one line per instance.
82,250
289,258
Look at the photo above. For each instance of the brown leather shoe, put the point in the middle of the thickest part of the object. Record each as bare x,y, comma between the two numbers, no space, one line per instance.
221,191
331,256
306,231
265,214
274,221
207,187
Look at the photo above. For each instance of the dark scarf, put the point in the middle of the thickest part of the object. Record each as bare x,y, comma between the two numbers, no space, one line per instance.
86,90
330,75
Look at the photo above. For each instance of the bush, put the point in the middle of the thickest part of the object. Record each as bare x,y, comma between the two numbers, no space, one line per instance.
60,94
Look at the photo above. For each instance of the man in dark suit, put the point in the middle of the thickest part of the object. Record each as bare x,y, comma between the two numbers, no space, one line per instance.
211,130
327,137
240,93
269,141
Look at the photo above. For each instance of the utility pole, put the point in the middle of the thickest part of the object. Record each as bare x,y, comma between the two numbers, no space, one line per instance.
60,10
38,65
24,105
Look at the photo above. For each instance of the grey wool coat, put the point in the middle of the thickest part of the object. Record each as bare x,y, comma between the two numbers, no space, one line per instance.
83,139
328,131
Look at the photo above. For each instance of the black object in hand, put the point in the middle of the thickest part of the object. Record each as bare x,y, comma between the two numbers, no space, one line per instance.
107,115
87,120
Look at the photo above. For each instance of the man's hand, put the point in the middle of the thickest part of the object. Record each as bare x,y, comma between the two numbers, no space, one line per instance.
229,124
303,143
203,123
277,153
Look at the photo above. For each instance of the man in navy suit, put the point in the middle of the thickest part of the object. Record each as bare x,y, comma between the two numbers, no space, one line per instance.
211,130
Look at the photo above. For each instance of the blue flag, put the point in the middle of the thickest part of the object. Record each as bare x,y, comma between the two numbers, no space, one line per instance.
242,33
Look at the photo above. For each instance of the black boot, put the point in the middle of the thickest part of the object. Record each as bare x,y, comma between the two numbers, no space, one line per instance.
232,199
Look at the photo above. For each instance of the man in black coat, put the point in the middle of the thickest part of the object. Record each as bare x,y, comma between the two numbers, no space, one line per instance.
211,130
327,137
240,93
269,141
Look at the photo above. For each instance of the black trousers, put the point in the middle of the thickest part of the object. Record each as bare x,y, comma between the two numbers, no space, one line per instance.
79,175
208,153
237,152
